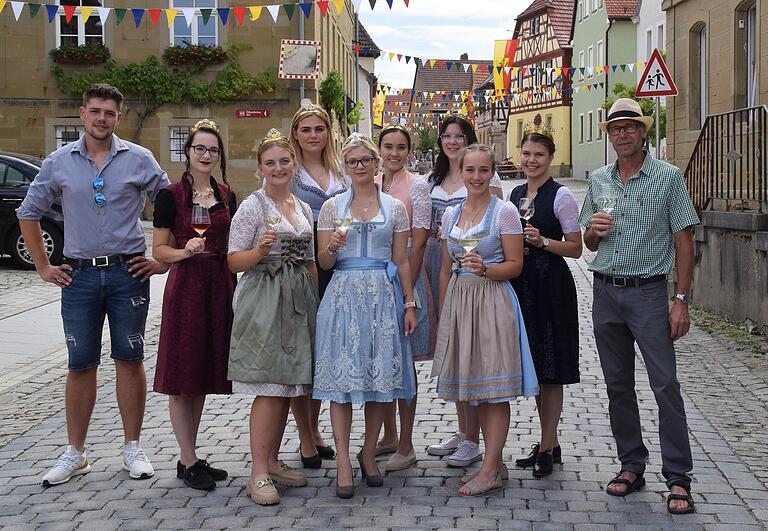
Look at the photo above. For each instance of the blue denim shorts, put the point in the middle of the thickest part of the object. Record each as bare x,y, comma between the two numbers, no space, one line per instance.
96,293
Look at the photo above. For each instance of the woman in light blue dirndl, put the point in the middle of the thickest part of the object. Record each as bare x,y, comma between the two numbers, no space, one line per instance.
362,349
482,356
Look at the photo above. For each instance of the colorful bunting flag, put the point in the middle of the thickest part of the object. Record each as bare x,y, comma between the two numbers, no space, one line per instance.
33,10
104,15
306,7
17,8
50,9
170,15
289,9
154,15
239,14
206,13
339,5
138,14
69,11
274,11
223,15
323,6
120,13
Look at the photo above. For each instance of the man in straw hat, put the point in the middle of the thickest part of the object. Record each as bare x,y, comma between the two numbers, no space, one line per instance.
638,217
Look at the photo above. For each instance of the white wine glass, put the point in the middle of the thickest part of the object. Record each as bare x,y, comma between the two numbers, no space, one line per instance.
527,208
469,239
273,218
343,224
607,198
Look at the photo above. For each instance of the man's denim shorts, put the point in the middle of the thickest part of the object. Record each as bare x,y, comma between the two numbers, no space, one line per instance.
96,293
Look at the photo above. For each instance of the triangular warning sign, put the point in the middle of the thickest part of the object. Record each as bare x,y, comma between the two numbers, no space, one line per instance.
656,80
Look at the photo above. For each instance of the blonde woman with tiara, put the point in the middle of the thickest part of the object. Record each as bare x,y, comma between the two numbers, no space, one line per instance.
362,348
318,178
271,241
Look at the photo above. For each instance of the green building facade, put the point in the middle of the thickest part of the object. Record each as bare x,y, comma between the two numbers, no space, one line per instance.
604,35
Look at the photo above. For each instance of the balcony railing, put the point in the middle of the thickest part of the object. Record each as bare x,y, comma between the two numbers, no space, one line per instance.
729,162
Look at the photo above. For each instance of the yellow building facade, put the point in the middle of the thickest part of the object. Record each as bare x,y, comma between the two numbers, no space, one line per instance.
36,117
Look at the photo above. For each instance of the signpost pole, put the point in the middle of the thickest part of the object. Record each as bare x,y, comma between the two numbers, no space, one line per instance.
658,126
301,38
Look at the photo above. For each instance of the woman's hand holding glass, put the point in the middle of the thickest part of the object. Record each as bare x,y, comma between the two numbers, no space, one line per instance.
473,263
195,246
338,240
267,240
533,236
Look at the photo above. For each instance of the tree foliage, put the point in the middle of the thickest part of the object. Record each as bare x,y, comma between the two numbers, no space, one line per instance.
333,99
153,84
427,139
620,90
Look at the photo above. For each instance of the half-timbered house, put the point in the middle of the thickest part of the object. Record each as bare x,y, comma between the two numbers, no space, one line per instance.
538,86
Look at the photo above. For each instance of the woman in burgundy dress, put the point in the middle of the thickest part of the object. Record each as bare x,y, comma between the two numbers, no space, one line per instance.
197,305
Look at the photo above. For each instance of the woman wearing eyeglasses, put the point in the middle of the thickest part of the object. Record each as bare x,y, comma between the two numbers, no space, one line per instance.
447,189
362,354
197,306
318,178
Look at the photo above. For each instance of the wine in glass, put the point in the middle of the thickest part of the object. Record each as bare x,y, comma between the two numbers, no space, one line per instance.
527,208
273,218
343,224
201,220
607,198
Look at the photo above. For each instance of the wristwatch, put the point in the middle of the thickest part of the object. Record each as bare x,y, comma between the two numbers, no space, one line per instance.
683,297
544,242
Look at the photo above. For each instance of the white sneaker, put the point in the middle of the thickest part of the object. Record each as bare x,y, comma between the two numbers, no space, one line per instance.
467,453
136,462
446,447
71,463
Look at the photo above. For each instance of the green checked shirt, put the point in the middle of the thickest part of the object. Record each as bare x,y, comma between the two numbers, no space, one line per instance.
652,207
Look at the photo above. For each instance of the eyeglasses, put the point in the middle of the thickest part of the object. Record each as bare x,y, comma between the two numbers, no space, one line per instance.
201,149
99,198
354,163
630,129
447,137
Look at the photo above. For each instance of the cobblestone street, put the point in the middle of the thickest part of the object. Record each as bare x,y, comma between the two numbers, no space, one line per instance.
725,389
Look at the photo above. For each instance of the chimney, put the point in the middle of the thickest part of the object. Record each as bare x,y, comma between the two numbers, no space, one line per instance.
464,57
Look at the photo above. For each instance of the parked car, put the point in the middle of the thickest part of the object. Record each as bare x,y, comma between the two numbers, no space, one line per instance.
16,174
508,170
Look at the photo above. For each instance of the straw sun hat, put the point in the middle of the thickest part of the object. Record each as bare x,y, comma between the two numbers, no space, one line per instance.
626,109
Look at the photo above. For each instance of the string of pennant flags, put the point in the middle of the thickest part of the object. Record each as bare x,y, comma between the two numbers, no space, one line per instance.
189,13
442,64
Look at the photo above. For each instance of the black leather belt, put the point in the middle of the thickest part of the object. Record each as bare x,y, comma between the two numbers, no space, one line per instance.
629,282
100,261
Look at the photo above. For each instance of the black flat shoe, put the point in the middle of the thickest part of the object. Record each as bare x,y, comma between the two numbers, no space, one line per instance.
543,465
197,477
326,452
371,481
525,462
312,462
216,474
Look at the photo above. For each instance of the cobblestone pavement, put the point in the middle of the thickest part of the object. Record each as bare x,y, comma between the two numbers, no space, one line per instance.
725,392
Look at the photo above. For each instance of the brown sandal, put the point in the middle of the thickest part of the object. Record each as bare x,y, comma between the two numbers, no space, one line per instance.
682,497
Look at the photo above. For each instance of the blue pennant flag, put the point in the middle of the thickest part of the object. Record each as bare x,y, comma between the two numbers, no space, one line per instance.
306,7
137,15
223,14
52,10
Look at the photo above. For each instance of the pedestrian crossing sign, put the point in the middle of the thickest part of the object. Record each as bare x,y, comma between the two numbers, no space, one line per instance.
656,80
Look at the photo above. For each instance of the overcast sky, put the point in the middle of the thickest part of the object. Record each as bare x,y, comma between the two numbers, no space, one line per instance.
436,29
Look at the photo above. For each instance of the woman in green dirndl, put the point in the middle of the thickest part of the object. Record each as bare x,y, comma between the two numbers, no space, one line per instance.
275,308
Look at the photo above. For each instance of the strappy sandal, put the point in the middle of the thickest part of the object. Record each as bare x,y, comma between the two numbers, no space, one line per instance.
476,489
682,497
503,472
632,486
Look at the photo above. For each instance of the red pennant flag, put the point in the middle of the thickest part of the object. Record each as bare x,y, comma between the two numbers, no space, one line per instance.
565,72
323,5
154,15
239,14
406,2
357,48
69,11
440,64
399,57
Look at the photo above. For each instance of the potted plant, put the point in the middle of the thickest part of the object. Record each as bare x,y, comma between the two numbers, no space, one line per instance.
89,54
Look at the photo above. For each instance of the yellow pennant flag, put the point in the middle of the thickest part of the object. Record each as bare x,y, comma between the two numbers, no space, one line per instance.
474,67
391,55
339,5
170,15
639,65
85,12
2,5
432,63
255,12
598,70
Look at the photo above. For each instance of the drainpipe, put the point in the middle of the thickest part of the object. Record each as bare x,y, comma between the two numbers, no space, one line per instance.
605,39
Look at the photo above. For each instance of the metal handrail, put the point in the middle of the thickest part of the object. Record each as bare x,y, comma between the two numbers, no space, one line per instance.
730,161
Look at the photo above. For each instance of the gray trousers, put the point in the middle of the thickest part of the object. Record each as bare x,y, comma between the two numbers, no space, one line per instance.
621,317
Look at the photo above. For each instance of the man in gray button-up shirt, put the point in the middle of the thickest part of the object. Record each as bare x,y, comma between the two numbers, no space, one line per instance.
102,182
